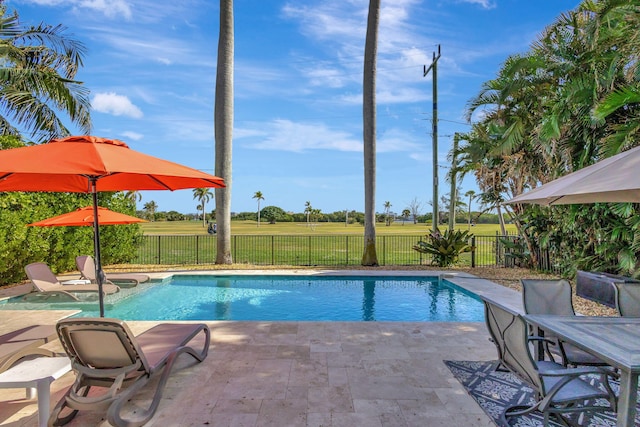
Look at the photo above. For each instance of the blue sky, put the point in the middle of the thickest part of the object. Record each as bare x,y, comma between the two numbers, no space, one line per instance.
151,67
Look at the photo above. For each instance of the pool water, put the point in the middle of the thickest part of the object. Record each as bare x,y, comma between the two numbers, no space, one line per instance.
290,298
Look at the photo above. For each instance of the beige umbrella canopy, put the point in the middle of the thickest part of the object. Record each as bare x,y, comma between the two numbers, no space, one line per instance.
614,179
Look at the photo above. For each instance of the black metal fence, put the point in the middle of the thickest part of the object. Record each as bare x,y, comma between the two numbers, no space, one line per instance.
333,250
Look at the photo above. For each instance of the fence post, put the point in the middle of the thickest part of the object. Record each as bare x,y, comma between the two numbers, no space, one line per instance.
197,249
273,250
159,252
346,245
384,251
233,248
473,252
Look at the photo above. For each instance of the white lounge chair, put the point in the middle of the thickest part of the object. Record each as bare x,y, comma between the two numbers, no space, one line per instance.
87,267
106,354
44,281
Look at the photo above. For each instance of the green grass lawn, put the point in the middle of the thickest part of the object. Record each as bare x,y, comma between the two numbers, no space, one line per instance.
317,229
187,242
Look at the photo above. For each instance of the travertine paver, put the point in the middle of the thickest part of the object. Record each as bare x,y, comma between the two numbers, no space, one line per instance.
308,374
317,374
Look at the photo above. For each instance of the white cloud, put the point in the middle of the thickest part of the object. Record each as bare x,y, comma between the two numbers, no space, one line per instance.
117,105
132,135
394,140
286,135
485,4
340,27
109,8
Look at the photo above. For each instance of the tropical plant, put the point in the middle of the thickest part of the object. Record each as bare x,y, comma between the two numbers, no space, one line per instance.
133,196
471,195
370,256
39,65
387,210
446,248
258,196
203,195
307,210
516,252
273,214
223,118
406,213
563,105
150,208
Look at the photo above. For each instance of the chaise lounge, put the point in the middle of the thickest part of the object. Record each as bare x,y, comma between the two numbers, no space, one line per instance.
105,354
45,282
87,267
25,342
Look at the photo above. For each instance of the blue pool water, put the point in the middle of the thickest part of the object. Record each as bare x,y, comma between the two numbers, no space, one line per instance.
287,298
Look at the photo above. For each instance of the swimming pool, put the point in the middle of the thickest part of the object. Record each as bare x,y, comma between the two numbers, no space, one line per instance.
288,298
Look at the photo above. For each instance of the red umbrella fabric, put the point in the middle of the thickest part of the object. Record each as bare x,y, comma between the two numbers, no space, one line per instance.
71,164
88,164
84,217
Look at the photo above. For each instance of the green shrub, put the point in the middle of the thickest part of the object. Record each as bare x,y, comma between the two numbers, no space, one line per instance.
445,248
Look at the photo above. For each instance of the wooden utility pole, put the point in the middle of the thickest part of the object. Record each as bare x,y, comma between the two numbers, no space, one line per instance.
453,175
434,67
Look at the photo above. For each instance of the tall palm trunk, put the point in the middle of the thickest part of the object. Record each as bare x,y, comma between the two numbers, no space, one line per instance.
369,257
223,116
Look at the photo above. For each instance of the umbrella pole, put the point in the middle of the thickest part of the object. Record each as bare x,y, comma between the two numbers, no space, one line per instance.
96,245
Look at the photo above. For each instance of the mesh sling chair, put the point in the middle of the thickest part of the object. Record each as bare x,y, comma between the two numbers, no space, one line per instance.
104,353
550,296
559,389
627,299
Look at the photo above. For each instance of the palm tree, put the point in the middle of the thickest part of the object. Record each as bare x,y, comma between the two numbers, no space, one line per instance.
133,196
39,65
406,213
307,210
370,257
150,208
258,196
387,208
203,195
470,194
223,115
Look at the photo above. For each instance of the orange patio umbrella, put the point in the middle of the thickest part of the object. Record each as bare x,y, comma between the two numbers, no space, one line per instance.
88,164
84,217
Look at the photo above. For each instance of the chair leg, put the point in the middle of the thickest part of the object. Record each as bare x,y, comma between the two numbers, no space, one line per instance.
516,411
114,412
55,419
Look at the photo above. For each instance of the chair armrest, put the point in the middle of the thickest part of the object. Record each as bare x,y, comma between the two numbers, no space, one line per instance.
537,338
576,372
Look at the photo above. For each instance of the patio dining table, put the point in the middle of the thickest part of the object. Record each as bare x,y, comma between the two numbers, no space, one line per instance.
616,340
